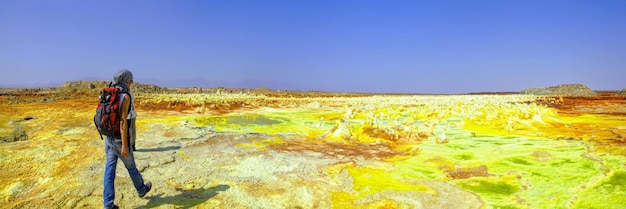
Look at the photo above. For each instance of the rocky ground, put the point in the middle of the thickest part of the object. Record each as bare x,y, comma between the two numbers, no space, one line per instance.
52,157
81,89
562,90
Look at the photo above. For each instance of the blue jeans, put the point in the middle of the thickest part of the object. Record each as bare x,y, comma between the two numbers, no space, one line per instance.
113,149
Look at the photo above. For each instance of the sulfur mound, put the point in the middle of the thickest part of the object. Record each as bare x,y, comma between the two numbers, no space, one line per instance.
562,90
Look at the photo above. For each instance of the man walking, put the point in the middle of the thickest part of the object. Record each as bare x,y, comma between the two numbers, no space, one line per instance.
118,148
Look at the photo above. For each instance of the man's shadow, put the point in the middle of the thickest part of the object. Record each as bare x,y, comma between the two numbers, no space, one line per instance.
158,149
187,198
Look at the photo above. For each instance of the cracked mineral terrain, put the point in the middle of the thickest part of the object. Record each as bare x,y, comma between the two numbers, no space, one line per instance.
238,148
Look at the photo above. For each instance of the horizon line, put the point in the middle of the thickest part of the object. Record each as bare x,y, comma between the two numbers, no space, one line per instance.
60,84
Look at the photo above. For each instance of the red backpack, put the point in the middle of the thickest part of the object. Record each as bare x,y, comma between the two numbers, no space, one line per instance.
107,119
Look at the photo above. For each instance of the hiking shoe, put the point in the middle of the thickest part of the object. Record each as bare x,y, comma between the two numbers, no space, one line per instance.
149,185
115,207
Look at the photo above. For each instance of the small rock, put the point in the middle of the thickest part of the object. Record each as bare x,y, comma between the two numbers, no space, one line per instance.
19,134
342,130
442,138
349,115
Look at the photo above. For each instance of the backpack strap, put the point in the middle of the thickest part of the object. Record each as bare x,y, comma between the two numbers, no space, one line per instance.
94,118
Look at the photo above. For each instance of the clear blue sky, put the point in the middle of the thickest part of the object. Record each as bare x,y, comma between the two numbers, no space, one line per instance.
418,46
